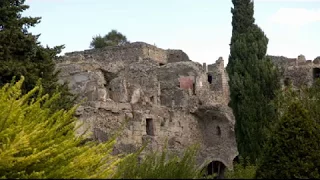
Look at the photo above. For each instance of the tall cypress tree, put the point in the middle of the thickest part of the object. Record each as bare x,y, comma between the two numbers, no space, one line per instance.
22,54
253,80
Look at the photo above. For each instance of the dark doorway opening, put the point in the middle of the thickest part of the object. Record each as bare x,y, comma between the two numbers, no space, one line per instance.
316,73
217,168
236,160
194,89
287,82
218,131
149,127
210,78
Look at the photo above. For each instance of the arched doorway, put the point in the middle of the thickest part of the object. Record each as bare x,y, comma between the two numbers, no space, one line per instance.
236,160
216,167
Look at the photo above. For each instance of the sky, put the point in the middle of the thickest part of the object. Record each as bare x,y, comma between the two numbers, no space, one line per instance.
201,28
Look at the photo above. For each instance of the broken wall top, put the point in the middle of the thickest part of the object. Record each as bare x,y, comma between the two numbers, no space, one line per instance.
130,52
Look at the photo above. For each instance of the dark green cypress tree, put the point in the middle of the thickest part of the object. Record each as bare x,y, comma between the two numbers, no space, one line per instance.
22,54
253,80
293,149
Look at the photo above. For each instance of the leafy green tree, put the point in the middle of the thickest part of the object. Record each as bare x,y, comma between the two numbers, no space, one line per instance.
113,38
293,149
36,143
22,54
253,80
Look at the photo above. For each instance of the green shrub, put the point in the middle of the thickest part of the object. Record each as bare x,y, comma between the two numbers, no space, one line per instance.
36,143
293,149
241,172
160,165
113,38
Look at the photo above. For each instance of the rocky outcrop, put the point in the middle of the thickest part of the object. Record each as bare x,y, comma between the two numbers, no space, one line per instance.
157,95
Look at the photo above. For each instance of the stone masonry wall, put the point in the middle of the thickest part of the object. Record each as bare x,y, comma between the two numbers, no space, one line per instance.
220,79
298,71
176,56
161,97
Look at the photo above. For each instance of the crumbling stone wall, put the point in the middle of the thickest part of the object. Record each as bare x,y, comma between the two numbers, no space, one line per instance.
154,53
176,56
218,80
298,71
162,97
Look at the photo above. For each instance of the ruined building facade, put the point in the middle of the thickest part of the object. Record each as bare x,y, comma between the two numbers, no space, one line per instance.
297,71
162,93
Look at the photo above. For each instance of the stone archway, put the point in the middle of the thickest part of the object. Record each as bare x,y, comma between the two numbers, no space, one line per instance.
216,167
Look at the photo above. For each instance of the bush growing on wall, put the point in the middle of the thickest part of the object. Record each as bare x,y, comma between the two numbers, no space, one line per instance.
113,38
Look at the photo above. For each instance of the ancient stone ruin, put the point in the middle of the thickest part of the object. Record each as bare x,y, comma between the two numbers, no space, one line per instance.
163,95
297,71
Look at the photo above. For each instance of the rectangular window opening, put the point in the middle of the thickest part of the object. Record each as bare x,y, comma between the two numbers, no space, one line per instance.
149,127
316,73
210,78
194,88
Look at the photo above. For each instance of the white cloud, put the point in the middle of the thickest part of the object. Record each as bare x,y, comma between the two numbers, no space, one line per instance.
296,16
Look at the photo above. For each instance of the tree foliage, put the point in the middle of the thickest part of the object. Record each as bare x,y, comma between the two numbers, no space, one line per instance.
36,143
22,55
253,80
113,38
309,97
293,149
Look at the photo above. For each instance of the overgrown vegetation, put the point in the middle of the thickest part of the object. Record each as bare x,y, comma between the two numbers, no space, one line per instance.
253,81
38,143
293,149
113,38
22,54
242,172
161,165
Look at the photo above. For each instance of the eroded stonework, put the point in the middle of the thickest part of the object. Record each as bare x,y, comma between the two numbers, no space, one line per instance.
161,93
297,71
